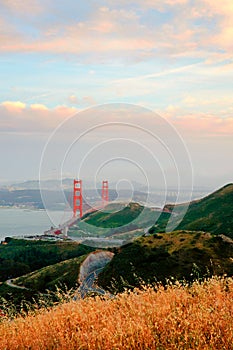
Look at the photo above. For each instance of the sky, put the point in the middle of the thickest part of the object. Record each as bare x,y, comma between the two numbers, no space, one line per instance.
61,58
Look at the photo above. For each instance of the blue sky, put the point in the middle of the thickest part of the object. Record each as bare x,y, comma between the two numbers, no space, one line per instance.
174,57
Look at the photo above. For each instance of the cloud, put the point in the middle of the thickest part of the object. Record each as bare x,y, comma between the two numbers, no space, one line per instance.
213,101
16,116
200,124
73,100
26,7
116,31
38,106
209,8
213,126
85,100
90,35
13,106
151,4
188,67
220,13
89,100
19,117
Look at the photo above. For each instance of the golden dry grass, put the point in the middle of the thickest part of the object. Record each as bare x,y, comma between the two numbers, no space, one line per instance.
200,317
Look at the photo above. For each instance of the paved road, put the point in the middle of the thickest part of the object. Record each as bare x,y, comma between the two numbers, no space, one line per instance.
88,285
11,284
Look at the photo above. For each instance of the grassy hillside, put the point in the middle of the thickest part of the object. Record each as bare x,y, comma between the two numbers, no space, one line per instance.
19,257
114,218
177,317
61,274
180,254
117,218
213,213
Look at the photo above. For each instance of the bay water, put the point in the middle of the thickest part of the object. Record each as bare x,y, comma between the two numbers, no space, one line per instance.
19,222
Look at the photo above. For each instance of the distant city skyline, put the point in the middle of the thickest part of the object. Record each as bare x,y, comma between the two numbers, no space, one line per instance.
173,57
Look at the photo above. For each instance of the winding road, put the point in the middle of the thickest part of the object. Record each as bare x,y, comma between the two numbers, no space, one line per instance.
88,285
89,271
11,284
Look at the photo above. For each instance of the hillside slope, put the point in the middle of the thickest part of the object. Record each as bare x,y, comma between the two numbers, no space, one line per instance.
213,213
117,218
180,254
64,273
19,256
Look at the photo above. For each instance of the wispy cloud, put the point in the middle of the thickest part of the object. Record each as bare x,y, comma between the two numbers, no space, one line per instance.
157,74
85,100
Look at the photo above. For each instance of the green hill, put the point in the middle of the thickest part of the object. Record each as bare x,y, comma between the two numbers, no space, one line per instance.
117,218
20,256
180,254
63,275
213,214
60,274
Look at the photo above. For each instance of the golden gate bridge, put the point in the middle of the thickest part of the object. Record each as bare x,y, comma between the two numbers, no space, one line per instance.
78,212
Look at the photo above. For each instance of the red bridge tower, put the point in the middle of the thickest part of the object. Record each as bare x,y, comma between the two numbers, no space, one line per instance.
105,196
77,198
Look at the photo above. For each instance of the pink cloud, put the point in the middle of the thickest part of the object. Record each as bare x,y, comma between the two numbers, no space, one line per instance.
17,116
73,99
26,7
110,32
222,11
86,100
38,106
203,125
155,4
118,32
13,106
113,31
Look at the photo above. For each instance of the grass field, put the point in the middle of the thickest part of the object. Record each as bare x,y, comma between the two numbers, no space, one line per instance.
176,317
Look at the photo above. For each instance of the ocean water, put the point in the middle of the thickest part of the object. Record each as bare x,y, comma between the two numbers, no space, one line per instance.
18,222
